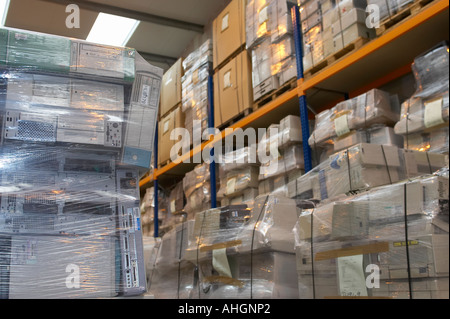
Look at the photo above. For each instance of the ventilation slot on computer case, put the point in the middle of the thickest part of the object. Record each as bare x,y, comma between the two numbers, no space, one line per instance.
36,131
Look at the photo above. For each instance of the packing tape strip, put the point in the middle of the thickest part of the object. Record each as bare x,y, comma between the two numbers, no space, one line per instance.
351,251
226,244
224,280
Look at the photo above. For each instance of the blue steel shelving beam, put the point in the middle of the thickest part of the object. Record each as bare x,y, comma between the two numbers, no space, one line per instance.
212,165
155,184
302,95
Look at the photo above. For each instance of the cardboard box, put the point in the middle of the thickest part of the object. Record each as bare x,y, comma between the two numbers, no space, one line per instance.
228,31
171,121
171,87
233,88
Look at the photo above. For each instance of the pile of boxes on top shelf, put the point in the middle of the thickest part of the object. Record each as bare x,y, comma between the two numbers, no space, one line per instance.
270,41
379,204
328,26
77,121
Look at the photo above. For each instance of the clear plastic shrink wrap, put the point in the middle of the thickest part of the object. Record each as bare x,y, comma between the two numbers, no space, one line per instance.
234,252
246,253
197,189
424,116
400,230
361,167
271,44
72,148
361,112
329,26
197,67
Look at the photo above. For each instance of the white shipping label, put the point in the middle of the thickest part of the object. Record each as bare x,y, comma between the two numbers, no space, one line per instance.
352,281
225,22
172,206
341,125
231,185
227,80
263,15
433,113
166,126
220,262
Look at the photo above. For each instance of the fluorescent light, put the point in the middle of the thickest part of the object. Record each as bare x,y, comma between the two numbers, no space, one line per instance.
4,5
112,30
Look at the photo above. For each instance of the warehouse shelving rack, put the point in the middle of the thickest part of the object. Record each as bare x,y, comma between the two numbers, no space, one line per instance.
378,62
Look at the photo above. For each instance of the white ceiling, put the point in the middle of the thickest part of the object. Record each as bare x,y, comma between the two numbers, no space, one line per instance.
168,29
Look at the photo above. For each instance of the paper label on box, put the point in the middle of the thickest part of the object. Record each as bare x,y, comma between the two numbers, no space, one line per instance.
227,80
166,126
225,22
433,113
341,125
172,205
231,185
352,281
220,262
263,15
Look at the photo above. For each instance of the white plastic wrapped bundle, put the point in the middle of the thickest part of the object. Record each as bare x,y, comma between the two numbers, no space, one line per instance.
368,109
289,159
245,253
372,228
389,8
378,134
196,187
72,149
240,158
170,277
80,94
363,166
427,110
66,210
194,83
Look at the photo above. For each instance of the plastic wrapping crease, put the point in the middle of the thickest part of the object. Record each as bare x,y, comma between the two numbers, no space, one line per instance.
232,252
75,118
378,227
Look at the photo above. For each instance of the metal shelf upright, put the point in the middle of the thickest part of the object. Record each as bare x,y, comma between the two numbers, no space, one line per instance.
295,13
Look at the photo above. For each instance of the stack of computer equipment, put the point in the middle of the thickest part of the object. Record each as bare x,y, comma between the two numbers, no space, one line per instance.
77,130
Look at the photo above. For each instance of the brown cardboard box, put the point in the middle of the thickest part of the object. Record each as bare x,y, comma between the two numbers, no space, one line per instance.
233,88
171,87
228,31
166,125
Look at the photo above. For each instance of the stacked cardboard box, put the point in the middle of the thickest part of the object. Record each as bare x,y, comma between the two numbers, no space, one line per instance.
389,8
400,230
285,162
197,67
424,116
270,41
246,253
197,190
239,177
366,118
360,167
76,117
232,64
329,26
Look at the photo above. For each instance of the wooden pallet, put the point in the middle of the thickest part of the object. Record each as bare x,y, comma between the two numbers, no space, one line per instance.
351,47
235,119
410,10
229,58
263,100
